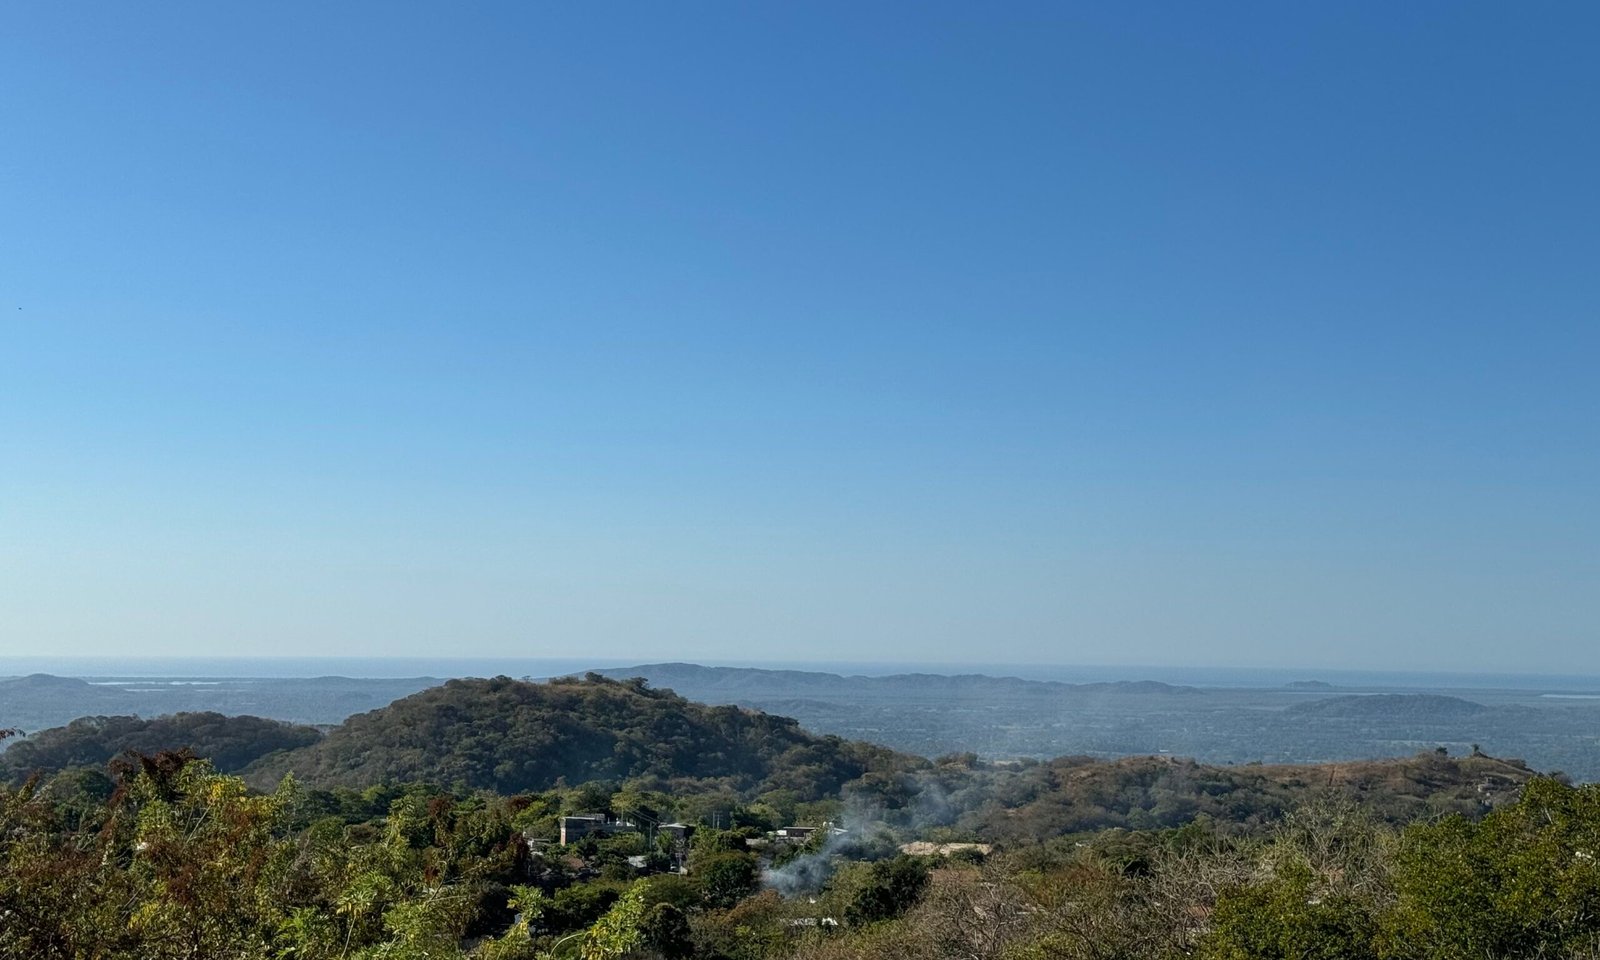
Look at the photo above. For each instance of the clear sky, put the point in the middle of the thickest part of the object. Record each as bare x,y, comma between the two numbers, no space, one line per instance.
1246,334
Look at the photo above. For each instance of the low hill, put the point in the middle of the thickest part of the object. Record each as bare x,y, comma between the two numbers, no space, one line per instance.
513,736
232,743
41,700
1400,707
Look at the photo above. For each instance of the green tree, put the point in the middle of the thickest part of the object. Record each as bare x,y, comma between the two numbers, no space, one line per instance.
617,933
891,887
666,931
1525,881
726,878
1290,917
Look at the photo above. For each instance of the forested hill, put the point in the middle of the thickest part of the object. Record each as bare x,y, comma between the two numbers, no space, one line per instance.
231,743
512,735
738,684
1075,794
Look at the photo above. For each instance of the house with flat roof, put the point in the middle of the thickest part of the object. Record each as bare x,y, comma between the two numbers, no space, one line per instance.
575,828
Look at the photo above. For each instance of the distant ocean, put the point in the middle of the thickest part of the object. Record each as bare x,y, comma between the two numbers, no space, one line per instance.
177,668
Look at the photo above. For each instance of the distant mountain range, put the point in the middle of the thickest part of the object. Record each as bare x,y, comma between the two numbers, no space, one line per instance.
736,684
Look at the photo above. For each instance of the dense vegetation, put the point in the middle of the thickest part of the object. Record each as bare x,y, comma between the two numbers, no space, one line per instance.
1328,882
509,736
1079,794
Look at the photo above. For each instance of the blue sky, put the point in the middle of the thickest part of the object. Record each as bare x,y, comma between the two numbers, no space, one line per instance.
1249,334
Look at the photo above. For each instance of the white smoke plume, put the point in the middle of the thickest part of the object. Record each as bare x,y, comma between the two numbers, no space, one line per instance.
863,832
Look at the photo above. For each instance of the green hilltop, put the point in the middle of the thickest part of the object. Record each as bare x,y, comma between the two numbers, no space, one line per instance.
513,735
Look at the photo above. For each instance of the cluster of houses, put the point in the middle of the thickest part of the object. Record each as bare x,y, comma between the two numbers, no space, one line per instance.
576,827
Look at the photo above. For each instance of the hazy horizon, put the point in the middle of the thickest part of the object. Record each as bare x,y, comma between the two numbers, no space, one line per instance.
1040,333
1203,675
